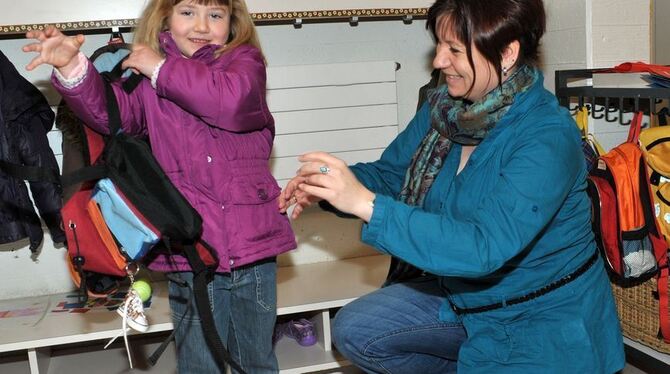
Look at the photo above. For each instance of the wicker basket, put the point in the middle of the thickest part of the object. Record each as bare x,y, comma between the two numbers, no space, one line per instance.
638,313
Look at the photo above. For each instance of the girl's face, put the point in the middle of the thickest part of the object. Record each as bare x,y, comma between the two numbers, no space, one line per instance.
194,26
452,60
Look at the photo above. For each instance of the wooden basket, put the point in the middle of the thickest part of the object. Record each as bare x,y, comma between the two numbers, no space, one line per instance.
638,312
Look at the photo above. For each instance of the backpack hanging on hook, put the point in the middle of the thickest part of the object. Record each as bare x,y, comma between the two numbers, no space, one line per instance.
626,230
655,144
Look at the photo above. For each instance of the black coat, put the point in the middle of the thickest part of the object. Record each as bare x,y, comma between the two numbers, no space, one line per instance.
25,119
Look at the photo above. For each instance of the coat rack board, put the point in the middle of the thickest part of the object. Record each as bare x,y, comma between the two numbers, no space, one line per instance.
101,15
609,103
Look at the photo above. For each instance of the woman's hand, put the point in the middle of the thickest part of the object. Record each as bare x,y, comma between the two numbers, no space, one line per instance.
54,48
292,195
329,178
142,60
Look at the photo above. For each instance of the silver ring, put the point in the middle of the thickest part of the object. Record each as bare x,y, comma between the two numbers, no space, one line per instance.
324,169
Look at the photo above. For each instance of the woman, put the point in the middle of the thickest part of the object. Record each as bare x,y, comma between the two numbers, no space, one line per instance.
485,189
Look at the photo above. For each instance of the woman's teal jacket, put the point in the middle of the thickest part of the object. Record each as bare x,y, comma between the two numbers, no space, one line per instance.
516,218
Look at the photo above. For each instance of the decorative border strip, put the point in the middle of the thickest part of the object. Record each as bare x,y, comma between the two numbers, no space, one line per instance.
329,14
278,17
69,26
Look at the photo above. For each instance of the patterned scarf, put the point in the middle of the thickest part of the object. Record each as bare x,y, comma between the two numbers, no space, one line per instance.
454,121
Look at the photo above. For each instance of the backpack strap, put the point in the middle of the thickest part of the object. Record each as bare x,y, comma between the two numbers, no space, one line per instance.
635,128
664,303
30,173
201,277
153,359
645,197
85,174
113,115
663,116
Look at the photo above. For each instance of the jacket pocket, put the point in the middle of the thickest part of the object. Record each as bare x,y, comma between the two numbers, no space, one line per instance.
255,211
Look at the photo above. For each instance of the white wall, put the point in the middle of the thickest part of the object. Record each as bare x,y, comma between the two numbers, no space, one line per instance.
661,49
566,42
621,32
581,33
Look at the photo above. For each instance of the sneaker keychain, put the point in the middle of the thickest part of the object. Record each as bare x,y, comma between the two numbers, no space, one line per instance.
132,309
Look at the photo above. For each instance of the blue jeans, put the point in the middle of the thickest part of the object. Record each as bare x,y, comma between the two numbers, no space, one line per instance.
244,304
396,329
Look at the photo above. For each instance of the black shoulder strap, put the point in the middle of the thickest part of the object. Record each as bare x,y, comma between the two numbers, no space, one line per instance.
30,173
663,116
110,48
117,71
85,174
645,197
201,276
113,115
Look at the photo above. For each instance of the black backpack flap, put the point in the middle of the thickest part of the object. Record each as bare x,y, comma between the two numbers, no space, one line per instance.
133,169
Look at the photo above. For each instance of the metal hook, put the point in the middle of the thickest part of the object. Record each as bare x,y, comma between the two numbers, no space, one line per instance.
116,37
353,21
407,19
297,23
594,110
621,112
574,109
609,110
580,105
652,105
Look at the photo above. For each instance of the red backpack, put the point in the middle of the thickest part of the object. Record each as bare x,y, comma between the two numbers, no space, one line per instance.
96,259
626,230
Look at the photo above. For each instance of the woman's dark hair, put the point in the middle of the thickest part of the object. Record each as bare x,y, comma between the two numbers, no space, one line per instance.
492,25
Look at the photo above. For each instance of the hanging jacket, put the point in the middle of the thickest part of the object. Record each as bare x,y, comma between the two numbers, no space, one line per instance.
215,149
25,120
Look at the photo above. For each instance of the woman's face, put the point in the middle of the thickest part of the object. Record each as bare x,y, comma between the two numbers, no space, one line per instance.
452,60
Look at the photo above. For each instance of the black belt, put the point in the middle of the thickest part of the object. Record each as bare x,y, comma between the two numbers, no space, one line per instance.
537,293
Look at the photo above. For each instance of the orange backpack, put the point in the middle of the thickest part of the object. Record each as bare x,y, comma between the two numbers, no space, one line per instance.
627,232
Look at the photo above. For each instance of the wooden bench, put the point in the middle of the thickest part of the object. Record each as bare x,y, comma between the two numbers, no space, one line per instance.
311,288
348,109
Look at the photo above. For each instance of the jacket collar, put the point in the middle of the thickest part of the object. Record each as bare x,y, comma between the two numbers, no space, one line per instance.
169,46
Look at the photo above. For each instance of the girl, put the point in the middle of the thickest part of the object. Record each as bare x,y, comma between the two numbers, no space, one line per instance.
202,107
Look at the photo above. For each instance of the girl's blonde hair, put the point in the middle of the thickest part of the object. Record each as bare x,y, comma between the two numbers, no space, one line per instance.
155,15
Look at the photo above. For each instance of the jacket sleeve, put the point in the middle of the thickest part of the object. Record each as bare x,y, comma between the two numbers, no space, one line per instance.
231,98
537,176
34,150
387,175
88,101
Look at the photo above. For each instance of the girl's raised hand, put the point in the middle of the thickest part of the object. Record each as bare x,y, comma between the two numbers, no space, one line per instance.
142,60
54,48
329,178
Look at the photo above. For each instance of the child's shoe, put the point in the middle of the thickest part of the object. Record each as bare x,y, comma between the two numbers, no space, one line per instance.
132,311
301,330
